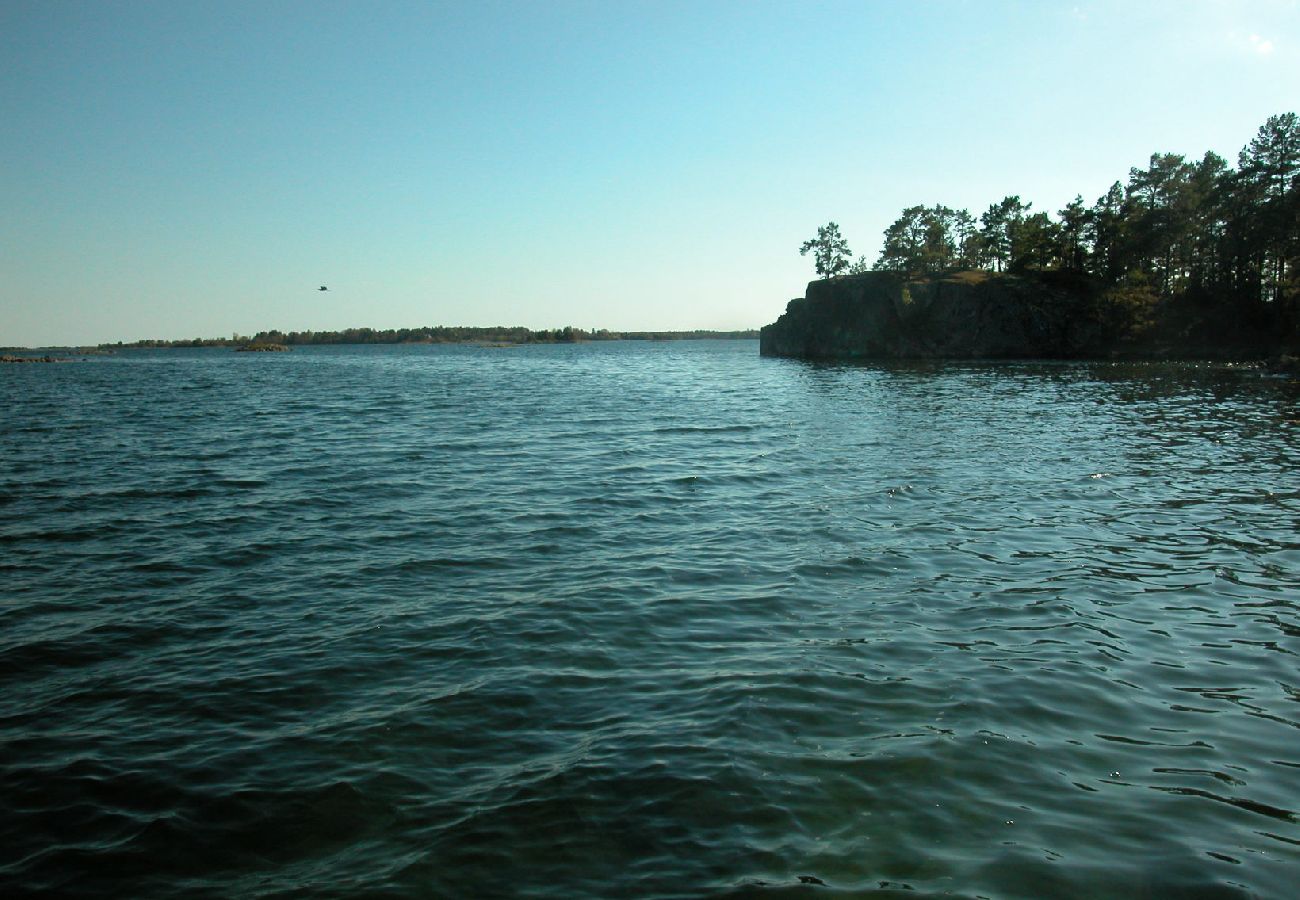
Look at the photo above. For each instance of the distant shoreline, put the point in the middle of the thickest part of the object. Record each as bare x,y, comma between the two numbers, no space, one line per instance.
440,334
8,358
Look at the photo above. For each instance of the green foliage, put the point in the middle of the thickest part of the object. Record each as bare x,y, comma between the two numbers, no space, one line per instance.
927,240
830,251
1177,231
1128,309
1270,177
1272,158
1000,225
1035,242
1072,234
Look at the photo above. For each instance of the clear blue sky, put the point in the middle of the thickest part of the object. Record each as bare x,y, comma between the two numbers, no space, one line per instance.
180,169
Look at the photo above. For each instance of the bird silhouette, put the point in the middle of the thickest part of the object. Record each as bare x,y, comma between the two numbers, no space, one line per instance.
323,288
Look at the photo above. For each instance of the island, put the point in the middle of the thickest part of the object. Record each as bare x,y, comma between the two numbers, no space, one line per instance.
11,358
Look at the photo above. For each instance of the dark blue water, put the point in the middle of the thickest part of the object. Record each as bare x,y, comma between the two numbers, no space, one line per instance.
652,620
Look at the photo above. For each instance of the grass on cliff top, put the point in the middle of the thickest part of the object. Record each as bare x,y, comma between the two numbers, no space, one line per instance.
969,276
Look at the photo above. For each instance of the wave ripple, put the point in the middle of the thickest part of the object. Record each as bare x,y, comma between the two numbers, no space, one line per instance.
655,620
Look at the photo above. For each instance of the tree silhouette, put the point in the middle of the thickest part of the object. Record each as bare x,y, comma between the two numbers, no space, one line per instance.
1186,248
830,251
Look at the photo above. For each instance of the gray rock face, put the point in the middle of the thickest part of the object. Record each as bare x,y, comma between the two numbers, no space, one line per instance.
970,315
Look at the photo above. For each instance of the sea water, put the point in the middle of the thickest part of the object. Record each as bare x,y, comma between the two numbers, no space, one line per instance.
646,620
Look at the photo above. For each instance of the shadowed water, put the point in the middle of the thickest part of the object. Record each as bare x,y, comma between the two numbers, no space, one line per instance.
653,620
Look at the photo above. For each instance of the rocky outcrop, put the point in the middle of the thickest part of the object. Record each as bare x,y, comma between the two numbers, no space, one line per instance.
971,315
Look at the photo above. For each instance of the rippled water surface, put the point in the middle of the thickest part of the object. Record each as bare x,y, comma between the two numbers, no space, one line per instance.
651,620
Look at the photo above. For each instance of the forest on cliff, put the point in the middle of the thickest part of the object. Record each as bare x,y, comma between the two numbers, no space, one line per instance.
1181,238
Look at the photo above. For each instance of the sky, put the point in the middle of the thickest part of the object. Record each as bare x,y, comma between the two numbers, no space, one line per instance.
196,169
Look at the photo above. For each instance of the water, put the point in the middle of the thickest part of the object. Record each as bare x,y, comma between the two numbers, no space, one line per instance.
652,620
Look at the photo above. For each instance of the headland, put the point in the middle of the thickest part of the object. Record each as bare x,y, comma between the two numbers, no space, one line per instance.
1049,314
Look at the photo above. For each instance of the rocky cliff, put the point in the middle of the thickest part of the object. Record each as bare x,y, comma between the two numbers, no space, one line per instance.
973,315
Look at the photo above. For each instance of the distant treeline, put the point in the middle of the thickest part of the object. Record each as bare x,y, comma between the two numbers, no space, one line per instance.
440,334
1188,241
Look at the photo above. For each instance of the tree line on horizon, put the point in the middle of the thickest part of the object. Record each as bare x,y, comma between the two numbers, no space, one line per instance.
440,334
1193,230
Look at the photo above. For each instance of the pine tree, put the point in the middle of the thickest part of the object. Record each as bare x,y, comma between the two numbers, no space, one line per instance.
830,251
